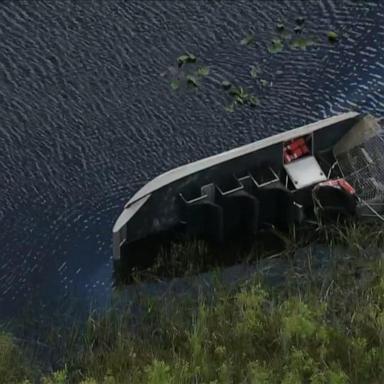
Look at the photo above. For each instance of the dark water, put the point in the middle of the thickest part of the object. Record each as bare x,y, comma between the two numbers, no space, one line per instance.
86,118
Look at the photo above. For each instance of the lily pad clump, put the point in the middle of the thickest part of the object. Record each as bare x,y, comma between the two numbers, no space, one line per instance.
203,71
255,71
298,29
280,27
282,31
187,72
298,41
192,80
248,40
186,58
276,46
175,84
239,97
302,43
226,84
332,36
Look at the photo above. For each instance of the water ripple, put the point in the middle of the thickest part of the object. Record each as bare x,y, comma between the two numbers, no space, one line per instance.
87,118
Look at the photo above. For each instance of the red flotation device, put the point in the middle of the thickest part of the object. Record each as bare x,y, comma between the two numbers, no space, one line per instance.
335,195
295,149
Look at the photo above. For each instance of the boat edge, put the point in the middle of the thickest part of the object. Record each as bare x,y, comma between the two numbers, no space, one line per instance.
210,161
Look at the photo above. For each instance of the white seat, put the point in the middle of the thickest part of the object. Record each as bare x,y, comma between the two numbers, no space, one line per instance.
305,172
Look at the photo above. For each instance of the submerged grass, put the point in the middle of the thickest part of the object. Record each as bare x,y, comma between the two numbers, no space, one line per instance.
318,326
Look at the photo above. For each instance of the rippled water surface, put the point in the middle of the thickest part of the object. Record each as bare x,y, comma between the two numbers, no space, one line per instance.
87,118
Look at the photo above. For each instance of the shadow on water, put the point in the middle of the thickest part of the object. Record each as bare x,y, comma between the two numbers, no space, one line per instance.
164,257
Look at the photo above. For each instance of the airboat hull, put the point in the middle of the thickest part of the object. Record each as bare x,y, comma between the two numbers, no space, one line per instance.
235,192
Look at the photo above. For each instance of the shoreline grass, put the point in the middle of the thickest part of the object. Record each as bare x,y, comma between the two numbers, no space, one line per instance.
320,325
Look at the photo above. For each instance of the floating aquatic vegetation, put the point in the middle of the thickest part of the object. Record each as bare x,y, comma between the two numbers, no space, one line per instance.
186,72
248,40
231,107
193,75
175,84
280,27
253,101
240,97
285,35
302,43
332,36
255,71
192,81
226,84
186,58
202,71
282,31
276,46
298,29
238,92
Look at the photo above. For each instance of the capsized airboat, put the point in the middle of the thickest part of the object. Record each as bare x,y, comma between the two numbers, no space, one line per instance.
333,165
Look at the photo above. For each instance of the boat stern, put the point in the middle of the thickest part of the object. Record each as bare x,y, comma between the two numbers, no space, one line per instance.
120,231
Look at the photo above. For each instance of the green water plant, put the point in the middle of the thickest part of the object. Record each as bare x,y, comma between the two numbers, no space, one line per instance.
230,107
253,101
240,97
332,36
186,58
175,84
280,27
187,72
302,43
276,46
298,29
255,71
248,40
202,71
282,31
226,84
192,80
299,40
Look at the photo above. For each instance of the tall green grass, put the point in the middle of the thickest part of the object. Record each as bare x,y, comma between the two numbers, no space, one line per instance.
15,364
318,326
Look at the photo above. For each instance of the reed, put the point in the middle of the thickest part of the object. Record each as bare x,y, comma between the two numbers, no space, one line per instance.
320,325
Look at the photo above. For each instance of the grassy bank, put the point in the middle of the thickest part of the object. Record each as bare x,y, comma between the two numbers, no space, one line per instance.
320,325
